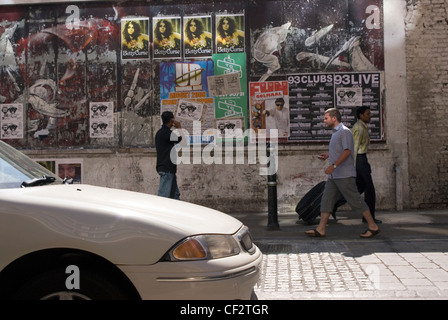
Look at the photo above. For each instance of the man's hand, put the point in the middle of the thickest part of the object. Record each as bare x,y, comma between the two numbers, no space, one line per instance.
329,170
176,124
323,156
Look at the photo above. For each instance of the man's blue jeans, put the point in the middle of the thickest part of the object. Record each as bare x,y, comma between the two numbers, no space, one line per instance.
168,185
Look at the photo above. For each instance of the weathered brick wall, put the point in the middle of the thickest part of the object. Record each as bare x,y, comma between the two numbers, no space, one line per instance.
427,85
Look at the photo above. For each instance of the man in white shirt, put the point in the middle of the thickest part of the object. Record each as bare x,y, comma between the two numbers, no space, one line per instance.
280,116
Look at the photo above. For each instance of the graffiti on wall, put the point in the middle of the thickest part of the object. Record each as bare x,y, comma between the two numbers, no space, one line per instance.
319,35
57,60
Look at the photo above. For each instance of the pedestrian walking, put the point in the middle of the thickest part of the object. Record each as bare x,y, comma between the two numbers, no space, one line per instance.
341,177
361,138
166,165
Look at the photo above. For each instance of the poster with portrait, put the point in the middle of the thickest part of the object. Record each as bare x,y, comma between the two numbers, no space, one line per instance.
198,40
230,33
11,121
167,37
70,169
101,119
269,109
230,128
348,97
190,110
135,38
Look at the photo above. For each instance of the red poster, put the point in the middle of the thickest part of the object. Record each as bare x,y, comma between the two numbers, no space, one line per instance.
269,109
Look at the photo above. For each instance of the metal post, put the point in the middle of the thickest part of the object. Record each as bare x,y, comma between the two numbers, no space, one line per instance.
272,192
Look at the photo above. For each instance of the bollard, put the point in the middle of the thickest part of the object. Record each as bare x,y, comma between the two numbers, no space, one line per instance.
272,192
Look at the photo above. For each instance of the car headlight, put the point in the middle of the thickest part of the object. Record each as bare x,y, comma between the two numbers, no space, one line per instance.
204,247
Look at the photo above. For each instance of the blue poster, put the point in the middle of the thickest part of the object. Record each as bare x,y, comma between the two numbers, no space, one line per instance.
184,91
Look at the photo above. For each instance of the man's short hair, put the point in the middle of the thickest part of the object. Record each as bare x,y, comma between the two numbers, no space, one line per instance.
281,100
167,116
361,111
333,112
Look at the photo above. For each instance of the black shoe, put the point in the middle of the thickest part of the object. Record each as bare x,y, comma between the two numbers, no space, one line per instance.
376,221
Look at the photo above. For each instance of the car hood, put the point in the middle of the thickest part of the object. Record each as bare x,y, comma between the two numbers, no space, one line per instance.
122,223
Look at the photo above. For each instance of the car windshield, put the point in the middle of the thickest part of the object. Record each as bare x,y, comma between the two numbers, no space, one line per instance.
17,170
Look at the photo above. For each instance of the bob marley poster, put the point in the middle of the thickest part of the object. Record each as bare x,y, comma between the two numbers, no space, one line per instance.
135,38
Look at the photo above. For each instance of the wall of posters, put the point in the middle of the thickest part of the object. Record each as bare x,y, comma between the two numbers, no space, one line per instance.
66,57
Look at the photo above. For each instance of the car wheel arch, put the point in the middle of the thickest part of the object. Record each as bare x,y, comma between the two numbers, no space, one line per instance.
32,264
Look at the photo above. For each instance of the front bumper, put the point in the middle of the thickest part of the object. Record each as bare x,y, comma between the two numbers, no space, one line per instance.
220,279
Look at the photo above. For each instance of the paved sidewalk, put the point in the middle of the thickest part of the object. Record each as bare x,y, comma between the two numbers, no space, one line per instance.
407,260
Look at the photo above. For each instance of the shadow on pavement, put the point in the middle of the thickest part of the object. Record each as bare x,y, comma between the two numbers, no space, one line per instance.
404,231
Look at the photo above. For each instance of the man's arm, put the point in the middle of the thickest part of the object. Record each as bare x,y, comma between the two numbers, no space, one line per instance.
182,140
356,140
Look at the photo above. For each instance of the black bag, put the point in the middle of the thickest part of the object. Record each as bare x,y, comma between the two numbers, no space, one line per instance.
308,207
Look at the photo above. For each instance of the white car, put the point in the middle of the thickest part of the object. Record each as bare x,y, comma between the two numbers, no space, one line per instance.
77,241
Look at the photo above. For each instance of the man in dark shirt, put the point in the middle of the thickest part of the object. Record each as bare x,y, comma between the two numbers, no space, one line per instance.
166,163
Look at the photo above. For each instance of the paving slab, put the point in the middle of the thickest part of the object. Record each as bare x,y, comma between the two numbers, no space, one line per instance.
407,260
